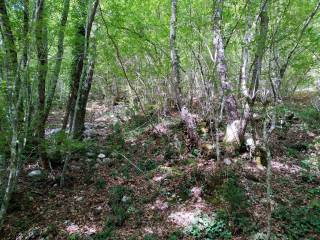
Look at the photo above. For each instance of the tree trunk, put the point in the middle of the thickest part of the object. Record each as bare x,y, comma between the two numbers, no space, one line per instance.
174,55
85,80
13,90
59,55
42,56
76,70
250,96
233,118
261,46
13,174
80,113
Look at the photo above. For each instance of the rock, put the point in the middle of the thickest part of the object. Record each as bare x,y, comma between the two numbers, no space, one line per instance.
108,161
160,205
227,161
97,210
79,199
196,192
101,156
125,199
73,228
75,168
33,233
258,236
88,160
52,131
89,133
249,142
35,173
231,136
311,134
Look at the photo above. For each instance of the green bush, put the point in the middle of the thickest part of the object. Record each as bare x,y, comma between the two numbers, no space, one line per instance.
298,222
238,203
120,201
147,165
116,141
100,184
176,235
210,229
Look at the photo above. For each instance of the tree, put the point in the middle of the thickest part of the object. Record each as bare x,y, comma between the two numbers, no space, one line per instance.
86,78
174,54
13,92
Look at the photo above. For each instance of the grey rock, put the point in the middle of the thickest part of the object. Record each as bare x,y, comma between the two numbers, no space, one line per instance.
125,199
79,199
97,210
101,156
89,160
35,173
105,161
109,162
227,161
75,168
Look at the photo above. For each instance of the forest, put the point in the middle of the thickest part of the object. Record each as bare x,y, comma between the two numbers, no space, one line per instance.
160,119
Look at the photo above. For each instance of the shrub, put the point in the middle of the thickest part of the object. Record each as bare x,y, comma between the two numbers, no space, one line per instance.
120,200
209,228
298,222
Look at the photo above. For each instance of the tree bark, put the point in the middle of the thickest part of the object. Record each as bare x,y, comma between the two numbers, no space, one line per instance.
13,92
233,118
230,101
59,55
85,80
174,55
42,56
76,70
261,47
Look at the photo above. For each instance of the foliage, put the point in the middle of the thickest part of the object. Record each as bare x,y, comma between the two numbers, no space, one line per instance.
116,141
176,235
120,201
209,229
62,143
150,237
147,165
310,168
310,115
298,222
100,184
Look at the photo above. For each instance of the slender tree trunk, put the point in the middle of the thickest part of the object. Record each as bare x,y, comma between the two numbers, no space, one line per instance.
42,56
13,85
85,80
243,81
250,96
233,117
174,55
13,173
261,47
266,136
25,59
59,55
76,70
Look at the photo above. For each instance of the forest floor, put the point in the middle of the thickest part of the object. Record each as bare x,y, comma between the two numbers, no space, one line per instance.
129,182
